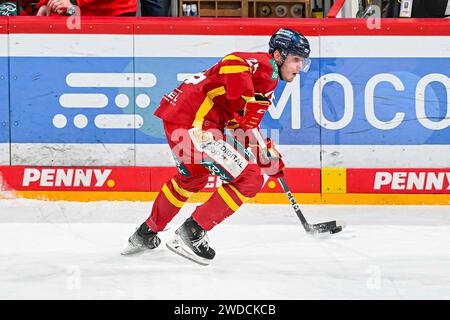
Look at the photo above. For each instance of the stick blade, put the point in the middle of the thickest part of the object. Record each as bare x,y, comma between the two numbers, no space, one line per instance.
340,225
328,227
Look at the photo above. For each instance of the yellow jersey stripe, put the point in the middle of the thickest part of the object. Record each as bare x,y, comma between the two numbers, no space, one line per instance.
177,203
233,69
240,195
233,57
180,190
207,105
216,92
228,200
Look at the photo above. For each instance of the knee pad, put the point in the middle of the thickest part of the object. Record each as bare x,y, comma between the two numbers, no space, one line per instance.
250,182
192,183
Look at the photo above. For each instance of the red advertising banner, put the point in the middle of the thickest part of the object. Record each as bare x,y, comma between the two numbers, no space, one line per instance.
3,25
75,178
131,179
398,181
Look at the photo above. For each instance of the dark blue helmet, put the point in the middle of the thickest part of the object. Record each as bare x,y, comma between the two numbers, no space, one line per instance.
288,41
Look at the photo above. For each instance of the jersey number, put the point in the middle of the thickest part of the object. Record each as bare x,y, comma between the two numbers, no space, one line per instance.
196,78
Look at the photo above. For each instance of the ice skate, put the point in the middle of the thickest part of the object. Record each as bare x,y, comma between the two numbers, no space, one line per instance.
191,242
143,239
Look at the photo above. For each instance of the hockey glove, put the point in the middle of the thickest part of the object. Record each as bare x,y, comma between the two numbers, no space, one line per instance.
275,165
253,113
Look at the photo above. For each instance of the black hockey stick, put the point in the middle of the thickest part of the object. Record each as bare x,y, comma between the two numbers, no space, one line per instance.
324,227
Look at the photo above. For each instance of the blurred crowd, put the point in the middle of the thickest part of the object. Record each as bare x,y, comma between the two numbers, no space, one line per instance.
85,7
403,8
367,8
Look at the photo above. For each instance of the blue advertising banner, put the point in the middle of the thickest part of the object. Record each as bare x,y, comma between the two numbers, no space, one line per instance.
169,73
365,100
385,101
71,100
350,101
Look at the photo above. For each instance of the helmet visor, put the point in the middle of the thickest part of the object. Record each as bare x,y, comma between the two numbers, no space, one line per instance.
306,63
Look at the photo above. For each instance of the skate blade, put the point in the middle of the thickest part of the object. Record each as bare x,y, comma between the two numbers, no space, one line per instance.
131,250
177,248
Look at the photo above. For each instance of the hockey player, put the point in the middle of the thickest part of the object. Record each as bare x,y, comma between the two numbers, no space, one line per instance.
234,93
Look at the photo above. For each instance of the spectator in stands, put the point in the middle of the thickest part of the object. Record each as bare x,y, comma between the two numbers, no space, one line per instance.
27,7
417,9
429,9
155,8
88,7
16,7
8,9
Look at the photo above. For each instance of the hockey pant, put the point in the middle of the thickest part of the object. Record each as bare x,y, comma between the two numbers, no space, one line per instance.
191,178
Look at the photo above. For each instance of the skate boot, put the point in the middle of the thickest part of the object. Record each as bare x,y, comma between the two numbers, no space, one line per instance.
191,242
143,239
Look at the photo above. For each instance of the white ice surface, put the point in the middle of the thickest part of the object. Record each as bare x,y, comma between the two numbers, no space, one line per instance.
69,250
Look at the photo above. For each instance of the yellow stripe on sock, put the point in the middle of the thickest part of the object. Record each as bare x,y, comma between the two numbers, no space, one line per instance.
180,190
228,200
177,203
240,195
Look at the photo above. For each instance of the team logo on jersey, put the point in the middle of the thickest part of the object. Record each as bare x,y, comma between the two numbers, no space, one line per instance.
275,69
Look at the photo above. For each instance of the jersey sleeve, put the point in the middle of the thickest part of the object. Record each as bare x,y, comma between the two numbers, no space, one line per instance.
237,78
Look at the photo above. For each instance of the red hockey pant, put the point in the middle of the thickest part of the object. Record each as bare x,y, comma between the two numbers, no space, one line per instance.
193,177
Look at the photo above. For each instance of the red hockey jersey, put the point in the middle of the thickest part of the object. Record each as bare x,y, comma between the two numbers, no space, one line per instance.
210,98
